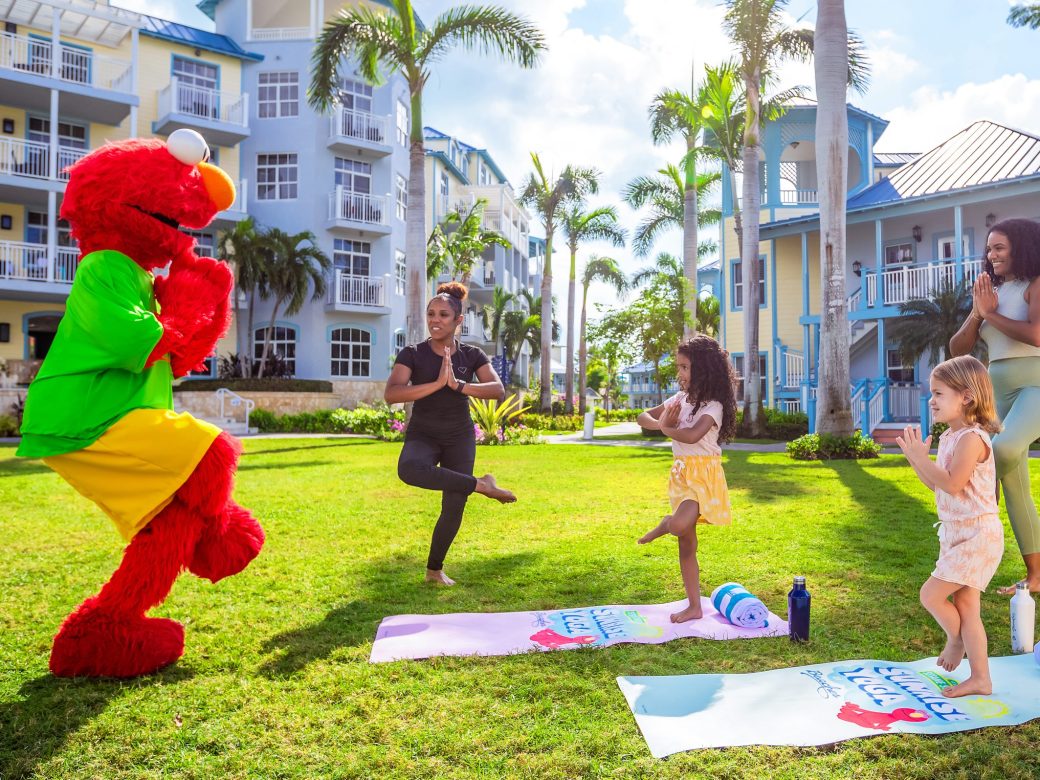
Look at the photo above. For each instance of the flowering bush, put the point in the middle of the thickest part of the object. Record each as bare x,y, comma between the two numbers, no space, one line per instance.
379,420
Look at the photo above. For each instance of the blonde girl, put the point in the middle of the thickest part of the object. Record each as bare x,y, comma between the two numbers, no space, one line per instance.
971,536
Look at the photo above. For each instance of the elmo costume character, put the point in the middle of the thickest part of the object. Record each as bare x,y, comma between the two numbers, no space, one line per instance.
100,411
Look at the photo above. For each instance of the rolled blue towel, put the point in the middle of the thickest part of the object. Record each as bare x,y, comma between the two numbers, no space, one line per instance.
739,607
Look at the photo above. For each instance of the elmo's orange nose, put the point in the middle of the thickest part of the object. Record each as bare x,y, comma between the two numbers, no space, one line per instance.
218,184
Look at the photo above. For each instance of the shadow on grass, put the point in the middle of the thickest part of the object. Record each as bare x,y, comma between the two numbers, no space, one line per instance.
16,467
339,444
36,727
395,590
303,464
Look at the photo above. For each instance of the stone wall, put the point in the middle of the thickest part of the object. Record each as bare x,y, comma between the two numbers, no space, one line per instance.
345,395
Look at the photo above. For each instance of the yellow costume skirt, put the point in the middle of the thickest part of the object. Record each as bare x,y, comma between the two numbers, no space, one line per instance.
137,465
700,478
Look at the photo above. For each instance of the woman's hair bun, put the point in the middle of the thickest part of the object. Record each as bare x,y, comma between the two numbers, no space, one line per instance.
454,289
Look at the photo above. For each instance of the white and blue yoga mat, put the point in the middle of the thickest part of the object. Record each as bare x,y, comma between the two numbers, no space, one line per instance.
825,703
739,607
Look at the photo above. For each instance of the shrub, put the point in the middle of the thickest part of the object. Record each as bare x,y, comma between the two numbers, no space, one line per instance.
781,425
491,417
544,422
8,426
815,446
272,384
617,415
380,421
521,434
937,429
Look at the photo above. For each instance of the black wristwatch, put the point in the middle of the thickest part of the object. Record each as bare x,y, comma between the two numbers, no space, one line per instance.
460,386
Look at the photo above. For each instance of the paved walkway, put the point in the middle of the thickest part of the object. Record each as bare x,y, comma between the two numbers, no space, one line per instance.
628,428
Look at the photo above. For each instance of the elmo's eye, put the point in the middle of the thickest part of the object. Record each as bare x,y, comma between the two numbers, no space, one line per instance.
188,146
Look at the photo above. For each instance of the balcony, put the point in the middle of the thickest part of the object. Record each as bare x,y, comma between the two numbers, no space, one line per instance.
359,212
222,117
27,272
279,33
96,88
359,132
791,197
472,329
27,165
905,283
237,211
349,292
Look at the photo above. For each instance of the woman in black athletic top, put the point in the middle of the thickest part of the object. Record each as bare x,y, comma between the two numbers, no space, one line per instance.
440,375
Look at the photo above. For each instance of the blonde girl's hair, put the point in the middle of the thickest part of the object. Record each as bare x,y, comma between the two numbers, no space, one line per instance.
966,374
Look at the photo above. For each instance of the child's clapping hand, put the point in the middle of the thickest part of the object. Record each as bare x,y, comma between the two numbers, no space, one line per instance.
670,415
913,447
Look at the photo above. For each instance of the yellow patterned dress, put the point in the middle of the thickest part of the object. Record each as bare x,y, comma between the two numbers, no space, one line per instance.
697,473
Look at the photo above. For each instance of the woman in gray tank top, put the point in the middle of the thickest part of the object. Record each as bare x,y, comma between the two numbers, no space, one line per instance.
1005,315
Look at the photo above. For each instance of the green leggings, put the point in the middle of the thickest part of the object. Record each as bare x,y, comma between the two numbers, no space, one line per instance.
1016,383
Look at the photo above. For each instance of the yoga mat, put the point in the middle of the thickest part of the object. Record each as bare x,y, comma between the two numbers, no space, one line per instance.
506,633
824,703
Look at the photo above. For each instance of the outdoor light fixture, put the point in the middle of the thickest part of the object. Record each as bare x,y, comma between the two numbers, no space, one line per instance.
6,221
857,268
991,218
5,332
917,233
8,125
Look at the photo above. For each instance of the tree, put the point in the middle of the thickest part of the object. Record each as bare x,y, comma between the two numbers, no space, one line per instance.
492,314
665,196
244,247
926,325
547,197
612,337
395,41
295,264
579,225
603,269
457,250
709,316
520,327
763,40
668,277
1025,15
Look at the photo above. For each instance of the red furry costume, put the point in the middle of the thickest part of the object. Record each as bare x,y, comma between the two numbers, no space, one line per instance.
125,203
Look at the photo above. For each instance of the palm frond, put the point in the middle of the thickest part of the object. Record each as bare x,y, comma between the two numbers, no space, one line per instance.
487,29
1025,15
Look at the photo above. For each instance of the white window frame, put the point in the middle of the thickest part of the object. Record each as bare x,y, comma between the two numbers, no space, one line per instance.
400,272
401,201
738,369
278,93
400,341
346,353
355,95
284,166
737,269
900,259
403,129
894,365
946,244
205,243
350,173
444,186
284,337
348,254
70,134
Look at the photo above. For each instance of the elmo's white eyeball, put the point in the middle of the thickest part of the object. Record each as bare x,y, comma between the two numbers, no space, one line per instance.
188,146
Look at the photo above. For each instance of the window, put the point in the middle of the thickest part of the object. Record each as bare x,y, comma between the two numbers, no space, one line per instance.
355,95
354,175
204,243
738,368
948,248
399,341
278,94
352,257
738,283
485,175
196,88
276,176
899,254
443,192
70,134
351,352
400,272
402,123
401,206
896,369
283,344
36,229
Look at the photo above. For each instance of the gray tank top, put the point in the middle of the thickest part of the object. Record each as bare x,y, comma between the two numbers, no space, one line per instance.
1011,303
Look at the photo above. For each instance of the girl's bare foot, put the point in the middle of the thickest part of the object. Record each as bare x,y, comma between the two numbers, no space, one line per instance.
690,613
1009,590
656,532
973,686
439,577
952,655
486,486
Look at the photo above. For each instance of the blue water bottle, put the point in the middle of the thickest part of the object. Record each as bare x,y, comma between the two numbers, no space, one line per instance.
798,611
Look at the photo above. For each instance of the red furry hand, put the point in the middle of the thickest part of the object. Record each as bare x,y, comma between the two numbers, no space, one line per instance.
194,303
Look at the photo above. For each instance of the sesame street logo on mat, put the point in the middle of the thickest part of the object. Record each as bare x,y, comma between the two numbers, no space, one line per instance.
604,624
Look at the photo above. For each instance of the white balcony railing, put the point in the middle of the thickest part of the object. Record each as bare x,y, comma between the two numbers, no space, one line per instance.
795,366
32,158
905,283
904,401
352,290
795,197
875,410
360,124
75,65
280,33
472,326
241,203
359,207
180,98
30,263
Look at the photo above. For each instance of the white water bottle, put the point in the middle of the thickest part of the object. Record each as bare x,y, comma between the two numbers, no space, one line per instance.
1023,619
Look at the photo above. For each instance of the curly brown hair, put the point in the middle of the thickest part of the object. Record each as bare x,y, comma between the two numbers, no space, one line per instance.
454,293
711,379
1024,237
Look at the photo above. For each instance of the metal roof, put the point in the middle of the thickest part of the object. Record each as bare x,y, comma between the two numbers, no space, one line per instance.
87,20
982,153
193,36
895,158
434,134
209,7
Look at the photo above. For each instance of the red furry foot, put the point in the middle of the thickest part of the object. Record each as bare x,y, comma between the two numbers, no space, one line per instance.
95,643
228,543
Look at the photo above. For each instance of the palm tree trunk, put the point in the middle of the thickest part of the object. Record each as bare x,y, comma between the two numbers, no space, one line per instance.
569,361
657,380
247,359
267,340
753,422
690,238
545,372
582,352
239,324
415,227
833,412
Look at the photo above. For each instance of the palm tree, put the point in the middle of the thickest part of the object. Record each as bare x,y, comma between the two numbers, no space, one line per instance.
295,264
668,273
665,194
456,251
603,269
579,225
926,325
547,197
492,314
396,41
1025,15
709,316
520,327
244,247
759,30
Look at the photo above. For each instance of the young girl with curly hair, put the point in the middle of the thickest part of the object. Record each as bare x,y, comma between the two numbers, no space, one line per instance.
696,419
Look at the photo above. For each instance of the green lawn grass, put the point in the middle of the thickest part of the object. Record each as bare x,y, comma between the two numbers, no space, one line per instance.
275,681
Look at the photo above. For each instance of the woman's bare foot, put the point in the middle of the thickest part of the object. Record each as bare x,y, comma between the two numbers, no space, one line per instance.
656,532
952,655
439,577
973,686
1009,590
690,613
486,486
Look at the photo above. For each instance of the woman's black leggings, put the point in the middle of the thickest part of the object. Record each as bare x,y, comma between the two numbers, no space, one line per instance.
418,466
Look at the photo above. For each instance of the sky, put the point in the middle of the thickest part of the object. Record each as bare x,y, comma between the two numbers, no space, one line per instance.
937,66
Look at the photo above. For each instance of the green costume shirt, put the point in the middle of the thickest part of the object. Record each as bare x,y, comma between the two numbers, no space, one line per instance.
94,371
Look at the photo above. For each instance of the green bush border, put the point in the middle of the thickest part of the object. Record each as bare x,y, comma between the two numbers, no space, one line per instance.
272,385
